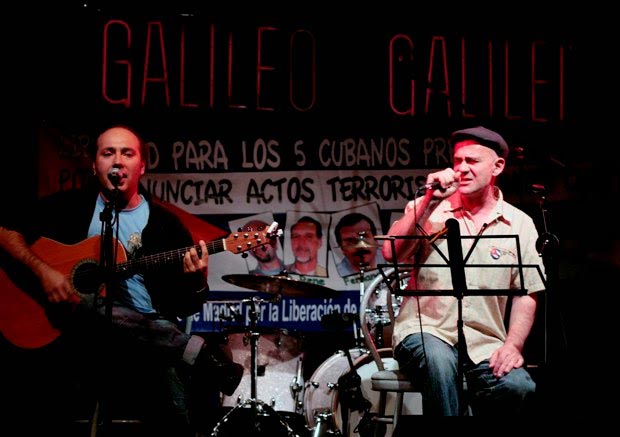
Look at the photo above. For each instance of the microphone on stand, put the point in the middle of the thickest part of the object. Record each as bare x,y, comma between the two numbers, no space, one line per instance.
115,176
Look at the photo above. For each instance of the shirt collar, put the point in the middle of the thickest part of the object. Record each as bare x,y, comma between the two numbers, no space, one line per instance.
500,212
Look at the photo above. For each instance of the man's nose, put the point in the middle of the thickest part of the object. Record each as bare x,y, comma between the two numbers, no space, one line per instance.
462,167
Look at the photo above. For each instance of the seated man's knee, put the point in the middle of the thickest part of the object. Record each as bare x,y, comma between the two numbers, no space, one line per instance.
428,351
519,383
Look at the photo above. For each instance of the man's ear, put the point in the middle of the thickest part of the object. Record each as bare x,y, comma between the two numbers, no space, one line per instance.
499,165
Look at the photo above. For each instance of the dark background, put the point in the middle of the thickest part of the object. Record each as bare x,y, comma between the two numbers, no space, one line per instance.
52,78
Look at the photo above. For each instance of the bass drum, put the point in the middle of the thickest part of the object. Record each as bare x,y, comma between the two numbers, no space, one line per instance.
321,401
321,394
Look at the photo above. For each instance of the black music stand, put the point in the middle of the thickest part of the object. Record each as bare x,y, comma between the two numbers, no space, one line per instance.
457,265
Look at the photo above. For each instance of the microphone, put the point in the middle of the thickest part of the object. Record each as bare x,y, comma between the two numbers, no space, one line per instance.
114,176
434,186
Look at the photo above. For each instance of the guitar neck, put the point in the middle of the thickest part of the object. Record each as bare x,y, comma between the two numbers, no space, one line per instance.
171,257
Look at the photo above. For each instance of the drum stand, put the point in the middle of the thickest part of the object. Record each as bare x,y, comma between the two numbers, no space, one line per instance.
325,425
297,387
363,245
349,384
258,408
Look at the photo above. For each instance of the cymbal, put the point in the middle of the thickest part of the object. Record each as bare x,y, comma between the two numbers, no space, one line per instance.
279,285
363,244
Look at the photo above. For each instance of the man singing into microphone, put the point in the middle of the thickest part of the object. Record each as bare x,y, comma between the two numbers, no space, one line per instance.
141,343
425,331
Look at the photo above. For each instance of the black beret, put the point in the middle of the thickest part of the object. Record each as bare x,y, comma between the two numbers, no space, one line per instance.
486,137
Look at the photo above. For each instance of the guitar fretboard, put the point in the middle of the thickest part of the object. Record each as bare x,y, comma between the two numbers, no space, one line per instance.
171,257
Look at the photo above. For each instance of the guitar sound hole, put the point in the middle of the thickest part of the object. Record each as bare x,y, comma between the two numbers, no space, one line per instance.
86,277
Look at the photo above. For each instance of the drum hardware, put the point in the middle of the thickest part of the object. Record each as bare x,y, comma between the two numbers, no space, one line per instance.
348,384
378,310
296,387
264,417
263,421
380,320
321,397
322,403
362,245
350,393
279,285
325,425
348,388
233,315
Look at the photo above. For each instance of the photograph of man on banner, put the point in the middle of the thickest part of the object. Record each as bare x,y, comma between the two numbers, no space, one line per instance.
305,251
353,240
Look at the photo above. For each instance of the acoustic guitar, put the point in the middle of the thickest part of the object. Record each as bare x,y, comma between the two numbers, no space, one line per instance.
24,321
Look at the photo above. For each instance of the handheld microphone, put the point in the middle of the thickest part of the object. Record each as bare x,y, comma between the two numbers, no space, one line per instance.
434,186
115,176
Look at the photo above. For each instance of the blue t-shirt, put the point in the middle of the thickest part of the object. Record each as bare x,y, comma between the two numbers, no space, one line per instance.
131,291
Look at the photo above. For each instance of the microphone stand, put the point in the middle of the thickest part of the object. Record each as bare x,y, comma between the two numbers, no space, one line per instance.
108,256
547,246
107,263
356,334
457,270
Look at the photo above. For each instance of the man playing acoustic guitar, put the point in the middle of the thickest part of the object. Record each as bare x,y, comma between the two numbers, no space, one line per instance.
143,344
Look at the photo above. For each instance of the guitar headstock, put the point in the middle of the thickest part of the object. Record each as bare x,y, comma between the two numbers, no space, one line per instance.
252,235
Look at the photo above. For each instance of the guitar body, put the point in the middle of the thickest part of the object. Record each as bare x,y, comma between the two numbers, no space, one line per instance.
24,319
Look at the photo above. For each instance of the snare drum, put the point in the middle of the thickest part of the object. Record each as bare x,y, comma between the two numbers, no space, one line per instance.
280,355
321,394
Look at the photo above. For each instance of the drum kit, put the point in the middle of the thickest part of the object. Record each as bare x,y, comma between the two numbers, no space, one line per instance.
283,404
